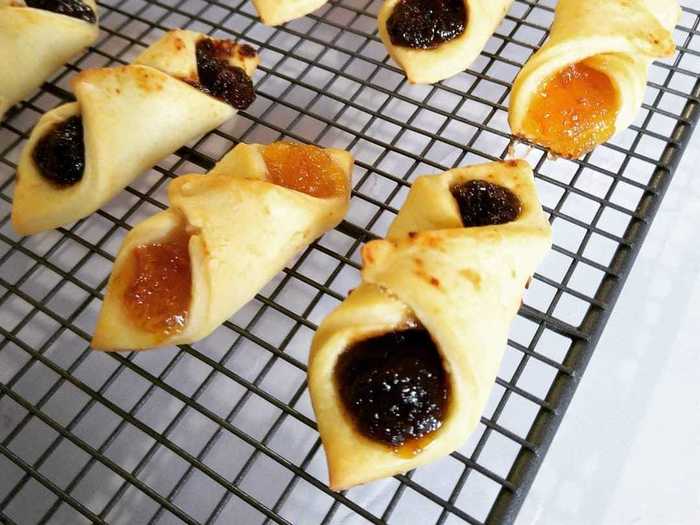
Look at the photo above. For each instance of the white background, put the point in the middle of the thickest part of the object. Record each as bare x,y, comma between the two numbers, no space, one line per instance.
628,450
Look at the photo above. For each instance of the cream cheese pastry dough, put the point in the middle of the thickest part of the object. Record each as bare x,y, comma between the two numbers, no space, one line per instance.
435,39
125,120
400,371
277,12
587,81
36,39
182,272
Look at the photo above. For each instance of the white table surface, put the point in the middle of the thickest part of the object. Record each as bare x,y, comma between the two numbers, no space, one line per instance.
628,450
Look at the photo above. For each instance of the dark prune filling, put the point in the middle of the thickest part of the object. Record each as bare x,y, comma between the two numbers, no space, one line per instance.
72,8
425,24
60,154
220,79
483,204
394,386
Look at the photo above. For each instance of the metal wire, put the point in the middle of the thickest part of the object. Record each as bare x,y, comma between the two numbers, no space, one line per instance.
222,431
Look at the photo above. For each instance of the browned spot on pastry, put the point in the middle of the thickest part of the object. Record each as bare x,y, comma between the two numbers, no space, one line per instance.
246,51
435,282
482,203
412,235
367,254
148,81
472,276
158,285
179,43
308,169
394,387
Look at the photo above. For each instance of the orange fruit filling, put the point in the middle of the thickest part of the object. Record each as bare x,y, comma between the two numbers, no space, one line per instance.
573,111
158,287
304,168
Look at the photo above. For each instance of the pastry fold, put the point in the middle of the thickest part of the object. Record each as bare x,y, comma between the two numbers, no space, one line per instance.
277,12
463,285
426,66
34,44
133,116
243,230
617,38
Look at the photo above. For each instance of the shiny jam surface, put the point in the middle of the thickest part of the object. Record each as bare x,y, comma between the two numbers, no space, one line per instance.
482,203
218,78
395,388
159,285
573,111
425,24
60,153
72,8
304,168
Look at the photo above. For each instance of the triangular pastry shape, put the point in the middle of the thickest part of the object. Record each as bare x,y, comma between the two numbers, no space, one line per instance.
181,273
587,81
435,39
35,42
401,370
127,118
277,12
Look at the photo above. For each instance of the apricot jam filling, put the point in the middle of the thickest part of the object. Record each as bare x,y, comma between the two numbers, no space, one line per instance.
158,287
573,111
304,168
395,388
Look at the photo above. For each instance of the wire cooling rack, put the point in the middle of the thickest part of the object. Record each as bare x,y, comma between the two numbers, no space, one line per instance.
222,431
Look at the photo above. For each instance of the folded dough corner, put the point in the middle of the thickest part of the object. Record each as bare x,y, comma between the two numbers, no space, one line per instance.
410,43
242,230
614,42
34,44
132,117
463,285
277,12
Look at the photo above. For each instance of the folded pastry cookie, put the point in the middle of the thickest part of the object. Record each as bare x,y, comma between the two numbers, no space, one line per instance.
184,271
435,39
36,38
276,12
587,81
126,119
400,372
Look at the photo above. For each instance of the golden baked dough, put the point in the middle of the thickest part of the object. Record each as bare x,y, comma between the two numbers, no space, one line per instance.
34,44
243,229
615,41
463,285
133,116
277,12
426,66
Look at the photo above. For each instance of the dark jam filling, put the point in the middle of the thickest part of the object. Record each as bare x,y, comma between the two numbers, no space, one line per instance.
220,79
60,153
72,8
394,386
425,24
483,204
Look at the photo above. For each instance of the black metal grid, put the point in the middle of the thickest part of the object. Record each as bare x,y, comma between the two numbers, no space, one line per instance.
222,431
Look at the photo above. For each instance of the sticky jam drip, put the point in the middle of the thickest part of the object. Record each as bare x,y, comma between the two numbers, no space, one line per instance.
573,112
304,168
395,388
425,24
158,292
218,78
60,153
72,8
482,203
